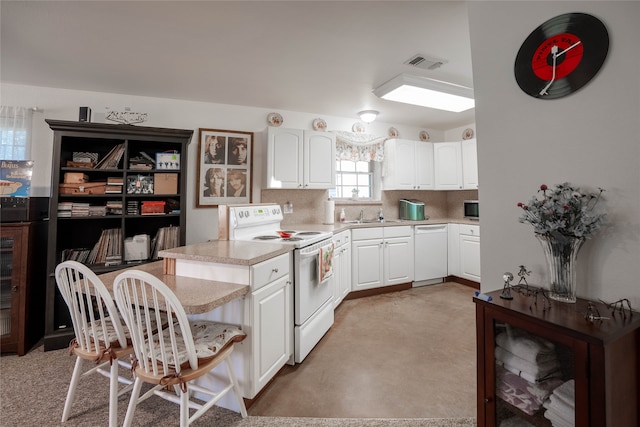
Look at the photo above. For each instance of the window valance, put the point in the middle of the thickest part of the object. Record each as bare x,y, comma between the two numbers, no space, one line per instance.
359,146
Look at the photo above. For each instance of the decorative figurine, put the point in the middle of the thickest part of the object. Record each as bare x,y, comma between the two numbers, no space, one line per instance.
619,306
522,273
506,290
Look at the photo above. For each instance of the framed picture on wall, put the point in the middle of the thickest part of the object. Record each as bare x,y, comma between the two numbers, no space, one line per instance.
224,167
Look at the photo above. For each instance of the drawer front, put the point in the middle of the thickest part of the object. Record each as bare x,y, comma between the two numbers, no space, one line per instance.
471,230
342,238
270,270
400,231
367,233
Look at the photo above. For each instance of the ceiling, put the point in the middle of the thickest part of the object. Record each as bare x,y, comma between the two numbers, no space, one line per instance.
322,57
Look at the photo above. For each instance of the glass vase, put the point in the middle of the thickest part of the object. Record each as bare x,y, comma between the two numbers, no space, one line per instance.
561,253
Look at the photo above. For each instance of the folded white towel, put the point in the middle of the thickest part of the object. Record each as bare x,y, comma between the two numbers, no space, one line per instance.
557,420
527,346
566,392
515,422
537,371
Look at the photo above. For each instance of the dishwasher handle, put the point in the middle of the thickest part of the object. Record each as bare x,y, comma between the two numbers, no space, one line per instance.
427,229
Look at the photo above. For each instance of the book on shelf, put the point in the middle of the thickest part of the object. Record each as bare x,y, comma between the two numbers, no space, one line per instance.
165,238
112,159
107,249
115,180
113,189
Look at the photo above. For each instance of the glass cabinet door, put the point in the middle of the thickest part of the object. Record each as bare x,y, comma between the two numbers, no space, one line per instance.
9,290
534,379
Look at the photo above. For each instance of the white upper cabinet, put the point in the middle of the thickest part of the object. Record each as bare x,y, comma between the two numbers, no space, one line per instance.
300,159
319,159
470,164
448,165
408,165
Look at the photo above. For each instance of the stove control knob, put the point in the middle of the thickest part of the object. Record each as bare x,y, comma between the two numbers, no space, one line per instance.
246,213
240,214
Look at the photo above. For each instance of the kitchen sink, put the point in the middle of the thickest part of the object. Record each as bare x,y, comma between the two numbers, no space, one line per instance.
372,221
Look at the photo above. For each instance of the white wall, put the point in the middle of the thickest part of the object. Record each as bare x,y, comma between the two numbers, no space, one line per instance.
589,138
62,104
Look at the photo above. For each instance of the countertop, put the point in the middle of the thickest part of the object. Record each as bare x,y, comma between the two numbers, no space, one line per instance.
196,295
246,253
227,252
341,226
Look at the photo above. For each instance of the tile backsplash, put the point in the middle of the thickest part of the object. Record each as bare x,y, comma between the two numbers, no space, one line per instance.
308,205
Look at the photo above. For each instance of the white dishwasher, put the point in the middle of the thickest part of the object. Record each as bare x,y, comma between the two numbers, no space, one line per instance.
430,254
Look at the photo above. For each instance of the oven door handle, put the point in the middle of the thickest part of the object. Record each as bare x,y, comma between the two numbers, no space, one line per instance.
310,254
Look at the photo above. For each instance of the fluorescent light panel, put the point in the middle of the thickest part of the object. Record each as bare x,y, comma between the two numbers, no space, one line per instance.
427,93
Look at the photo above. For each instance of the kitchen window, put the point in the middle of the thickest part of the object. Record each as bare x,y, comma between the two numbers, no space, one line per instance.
361,175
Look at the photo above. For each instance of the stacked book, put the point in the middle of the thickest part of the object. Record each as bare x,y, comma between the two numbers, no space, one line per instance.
133,207
114,185
114,207
142,162
64,209
80,254
97,210
80,209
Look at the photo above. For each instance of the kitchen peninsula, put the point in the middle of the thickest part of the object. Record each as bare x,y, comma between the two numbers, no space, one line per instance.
252,285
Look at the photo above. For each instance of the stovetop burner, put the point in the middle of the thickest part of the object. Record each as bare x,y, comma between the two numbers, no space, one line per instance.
308,233
266,237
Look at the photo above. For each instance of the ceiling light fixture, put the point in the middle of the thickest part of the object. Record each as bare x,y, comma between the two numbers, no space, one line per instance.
368,116
427,93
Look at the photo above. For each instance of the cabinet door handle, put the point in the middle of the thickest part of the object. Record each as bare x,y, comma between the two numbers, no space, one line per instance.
14,288
275,270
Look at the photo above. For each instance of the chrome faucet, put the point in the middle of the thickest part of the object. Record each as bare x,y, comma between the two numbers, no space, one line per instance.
361,215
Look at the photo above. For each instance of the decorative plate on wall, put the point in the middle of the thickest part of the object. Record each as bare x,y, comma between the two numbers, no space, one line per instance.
358,127
393,132
467,133
319,124
275,119
424,135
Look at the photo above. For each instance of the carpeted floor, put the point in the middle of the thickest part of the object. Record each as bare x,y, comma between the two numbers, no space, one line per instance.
33,390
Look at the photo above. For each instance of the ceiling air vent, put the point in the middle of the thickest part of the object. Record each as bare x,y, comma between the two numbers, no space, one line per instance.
426,63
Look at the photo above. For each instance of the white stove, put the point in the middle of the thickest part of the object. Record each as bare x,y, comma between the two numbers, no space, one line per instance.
312,291
261,223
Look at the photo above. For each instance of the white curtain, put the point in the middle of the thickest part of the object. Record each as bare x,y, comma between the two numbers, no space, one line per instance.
15,129
359,146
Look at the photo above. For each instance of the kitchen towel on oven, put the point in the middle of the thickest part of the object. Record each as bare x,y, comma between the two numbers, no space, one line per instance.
325,262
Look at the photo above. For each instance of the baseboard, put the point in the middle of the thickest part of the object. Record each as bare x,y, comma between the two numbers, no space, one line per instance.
377,291
463,281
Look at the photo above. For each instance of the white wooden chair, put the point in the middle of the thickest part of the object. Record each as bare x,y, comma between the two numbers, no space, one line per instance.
100,337
174,358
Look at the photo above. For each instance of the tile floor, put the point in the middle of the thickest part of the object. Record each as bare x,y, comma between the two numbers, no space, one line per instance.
407,354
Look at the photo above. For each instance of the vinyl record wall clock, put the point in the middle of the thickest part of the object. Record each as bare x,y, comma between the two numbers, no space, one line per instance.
561,56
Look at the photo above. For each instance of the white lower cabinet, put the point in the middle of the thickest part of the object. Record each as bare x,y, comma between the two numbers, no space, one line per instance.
470,252
453,250
381,256
341,266
266,315
272,325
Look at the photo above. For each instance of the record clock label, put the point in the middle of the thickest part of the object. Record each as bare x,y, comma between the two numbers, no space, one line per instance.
542,62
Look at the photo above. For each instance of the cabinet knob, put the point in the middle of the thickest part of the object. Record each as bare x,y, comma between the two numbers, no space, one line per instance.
487,400
14,288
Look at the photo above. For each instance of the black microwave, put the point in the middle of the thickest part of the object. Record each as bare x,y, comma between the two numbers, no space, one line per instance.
471,210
